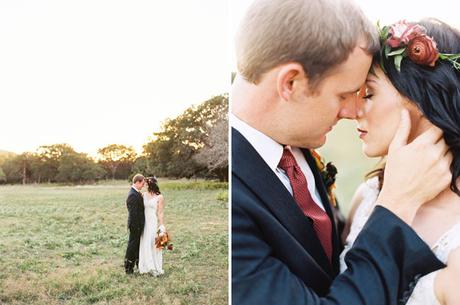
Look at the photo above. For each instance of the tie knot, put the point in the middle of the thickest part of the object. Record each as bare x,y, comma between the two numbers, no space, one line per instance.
287,159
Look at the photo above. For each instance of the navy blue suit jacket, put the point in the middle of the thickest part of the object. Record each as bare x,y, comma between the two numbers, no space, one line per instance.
278,259
135,205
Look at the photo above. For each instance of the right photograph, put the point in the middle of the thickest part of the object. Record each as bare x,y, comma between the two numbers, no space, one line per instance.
345,152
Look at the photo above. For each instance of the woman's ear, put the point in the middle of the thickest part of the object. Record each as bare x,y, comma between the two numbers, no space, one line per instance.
291,79
418,121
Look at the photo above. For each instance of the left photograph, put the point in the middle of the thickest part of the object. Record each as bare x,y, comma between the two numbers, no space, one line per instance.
114,152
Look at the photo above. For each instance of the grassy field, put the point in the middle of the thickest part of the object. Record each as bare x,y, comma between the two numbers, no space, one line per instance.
65,245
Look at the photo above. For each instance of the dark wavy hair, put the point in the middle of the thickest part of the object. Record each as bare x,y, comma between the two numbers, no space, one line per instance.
152,185
435,90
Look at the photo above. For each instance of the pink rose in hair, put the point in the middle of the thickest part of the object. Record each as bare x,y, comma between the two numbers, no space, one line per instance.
402,32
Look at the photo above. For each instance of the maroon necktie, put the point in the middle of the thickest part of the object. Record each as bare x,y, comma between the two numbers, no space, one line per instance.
321,222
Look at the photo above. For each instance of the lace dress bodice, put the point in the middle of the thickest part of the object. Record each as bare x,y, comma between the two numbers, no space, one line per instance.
423,293
150,207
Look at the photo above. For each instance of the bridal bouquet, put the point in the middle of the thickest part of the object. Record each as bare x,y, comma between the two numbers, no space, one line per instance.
163,241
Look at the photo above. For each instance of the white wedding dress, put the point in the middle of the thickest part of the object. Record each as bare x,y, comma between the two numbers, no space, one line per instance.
150,258
423,293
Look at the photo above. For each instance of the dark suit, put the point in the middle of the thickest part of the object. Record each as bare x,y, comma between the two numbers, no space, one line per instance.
278,259
136,220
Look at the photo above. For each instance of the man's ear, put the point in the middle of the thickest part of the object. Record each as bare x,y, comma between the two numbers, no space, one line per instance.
291,77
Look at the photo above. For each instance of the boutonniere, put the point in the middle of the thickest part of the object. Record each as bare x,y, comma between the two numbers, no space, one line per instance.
328,173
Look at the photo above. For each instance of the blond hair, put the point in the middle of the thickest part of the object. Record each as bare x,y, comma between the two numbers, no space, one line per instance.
318,34
138,178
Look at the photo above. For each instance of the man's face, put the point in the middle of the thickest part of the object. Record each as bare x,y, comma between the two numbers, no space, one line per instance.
140,184
309,116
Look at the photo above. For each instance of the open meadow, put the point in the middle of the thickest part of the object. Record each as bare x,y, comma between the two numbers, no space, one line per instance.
66,245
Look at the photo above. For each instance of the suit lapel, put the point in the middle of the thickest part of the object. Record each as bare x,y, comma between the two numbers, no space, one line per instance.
139,196
327,206
132,191
256,174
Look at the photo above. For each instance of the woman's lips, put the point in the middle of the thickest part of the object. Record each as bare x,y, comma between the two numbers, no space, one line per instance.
362,133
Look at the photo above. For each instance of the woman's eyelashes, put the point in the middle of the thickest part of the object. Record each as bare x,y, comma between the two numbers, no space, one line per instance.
368,96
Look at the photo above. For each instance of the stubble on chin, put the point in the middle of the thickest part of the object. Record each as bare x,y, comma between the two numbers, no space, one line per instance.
312,143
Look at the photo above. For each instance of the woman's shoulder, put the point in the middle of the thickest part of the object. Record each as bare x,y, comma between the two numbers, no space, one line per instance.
369,185
365,190
449,241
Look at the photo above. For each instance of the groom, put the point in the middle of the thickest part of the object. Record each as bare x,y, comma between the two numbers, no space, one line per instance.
300,64
136,220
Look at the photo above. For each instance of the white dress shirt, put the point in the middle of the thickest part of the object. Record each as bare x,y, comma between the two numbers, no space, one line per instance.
271,152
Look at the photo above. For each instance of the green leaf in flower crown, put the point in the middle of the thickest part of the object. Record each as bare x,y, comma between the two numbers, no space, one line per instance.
449,56
398,59
383,31
452,58
381,63
387,50
397,52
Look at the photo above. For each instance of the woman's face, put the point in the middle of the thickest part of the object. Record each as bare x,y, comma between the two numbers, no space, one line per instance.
379,113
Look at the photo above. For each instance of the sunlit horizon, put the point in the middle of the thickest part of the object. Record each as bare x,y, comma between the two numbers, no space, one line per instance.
94,73
94,151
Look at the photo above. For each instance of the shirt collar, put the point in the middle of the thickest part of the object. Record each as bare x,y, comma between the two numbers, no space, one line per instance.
135,188
270,150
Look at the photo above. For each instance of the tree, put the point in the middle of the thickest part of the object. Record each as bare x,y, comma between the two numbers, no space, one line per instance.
48,161
172,151
78,167
2,176
142,165
214,155
116,157
18,168
5,155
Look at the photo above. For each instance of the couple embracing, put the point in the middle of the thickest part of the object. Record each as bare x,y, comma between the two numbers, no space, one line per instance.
146,226
302,66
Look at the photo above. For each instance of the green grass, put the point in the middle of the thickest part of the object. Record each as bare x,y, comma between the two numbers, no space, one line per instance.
65,245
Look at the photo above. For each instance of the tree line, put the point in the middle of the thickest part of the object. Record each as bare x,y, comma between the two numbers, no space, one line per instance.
192,145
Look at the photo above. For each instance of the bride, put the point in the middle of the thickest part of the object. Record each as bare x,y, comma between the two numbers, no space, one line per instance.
150,257
416,69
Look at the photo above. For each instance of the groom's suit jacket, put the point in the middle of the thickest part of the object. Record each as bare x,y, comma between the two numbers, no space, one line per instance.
135,205
278,259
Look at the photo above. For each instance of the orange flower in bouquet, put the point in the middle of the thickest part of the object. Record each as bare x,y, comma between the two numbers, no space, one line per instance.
163,241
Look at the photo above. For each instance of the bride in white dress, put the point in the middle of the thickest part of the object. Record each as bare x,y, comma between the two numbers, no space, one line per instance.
150,257
431,99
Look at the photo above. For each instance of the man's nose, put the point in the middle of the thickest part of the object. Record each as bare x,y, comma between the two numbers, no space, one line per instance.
349,107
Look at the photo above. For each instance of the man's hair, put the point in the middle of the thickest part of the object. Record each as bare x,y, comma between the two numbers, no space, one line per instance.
138,178
318,34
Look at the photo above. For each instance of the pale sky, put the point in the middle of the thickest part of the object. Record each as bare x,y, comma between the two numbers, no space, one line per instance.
95,72
387,11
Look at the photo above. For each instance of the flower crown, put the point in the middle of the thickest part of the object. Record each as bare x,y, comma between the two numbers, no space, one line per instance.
152,179
403,39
